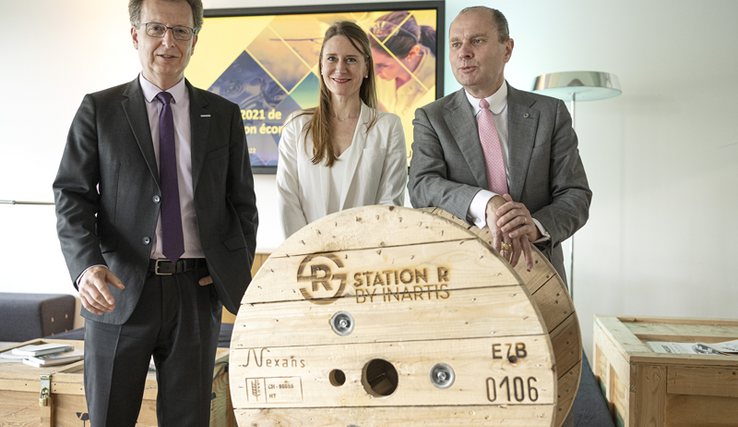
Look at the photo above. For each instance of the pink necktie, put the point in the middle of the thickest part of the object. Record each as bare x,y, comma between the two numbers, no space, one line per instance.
496,177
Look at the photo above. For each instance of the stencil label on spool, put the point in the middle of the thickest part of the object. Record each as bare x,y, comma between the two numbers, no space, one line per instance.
274,390
509,389
259,357
326,284
515,351
324,279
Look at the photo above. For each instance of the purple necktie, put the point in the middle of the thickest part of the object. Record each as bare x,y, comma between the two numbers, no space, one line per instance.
171,216
496,176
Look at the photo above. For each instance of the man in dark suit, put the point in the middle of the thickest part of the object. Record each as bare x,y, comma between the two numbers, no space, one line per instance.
543,195
156,215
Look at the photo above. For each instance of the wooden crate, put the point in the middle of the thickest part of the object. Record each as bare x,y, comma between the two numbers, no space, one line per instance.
21,384
645,388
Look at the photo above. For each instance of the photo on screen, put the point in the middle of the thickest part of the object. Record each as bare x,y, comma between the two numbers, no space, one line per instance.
266,61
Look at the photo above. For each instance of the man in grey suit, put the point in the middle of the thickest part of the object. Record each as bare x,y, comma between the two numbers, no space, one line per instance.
156,215
548,197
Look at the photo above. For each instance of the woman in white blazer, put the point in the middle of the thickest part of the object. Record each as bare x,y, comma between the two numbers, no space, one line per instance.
343,153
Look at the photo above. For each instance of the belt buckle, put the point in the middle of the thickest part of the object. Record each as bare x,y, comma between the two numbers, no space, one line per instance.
156,269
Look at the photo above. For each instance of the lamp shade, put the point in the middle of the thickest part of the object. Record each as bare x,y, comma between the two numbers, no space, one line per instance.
578,85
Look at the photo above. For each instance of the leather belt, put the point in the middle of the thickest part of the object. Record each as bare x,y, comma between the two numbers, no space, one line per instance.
163,267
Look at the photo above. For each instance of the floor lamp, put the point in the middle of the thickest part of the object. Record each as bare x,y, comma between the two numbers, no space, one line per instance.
19,202
577,86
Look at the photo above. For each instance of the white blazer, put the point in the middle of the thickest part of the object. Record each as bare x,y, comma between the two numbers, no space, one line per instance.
375,170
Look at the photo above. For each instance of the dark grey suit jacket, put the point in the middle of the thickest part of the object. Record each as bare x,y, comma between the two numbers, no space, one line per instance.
545,172
108,179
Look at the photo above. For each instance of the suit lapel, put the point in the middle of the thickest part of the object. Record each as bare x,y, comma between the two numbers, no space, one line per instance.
522,122
358,143
200,118
134,106
461,122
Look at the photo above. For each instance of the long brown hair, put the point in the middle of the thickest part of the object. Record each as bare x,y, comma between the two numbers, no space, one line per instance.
319,127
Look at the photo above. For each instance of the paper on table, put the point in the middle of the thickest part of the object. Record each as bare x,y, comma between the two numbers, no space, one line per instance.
727,348
41,349
55,359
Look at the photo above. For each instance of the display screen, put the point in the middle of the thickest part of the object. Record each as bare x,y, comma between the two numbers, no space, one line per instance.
266,61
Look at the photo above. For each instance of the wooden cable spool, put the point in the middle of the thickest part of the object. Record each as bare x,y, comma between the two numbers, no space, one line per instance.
388,316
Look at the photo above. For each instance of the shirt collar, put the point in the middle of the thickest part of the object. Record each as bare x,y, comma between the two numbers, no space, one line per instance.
497,102
150,90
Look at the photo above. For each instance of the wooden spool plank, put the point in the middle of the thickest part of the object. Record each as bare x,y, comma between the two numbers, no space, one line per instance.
383,270
557,309
308,382
555,304
374,228
462,416
563,339
497,311
559,315
450,274
288,364
567,386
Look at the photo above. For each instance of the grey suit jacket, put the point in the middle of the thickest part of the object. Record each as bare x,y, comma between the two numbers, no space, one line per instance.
108,179
447,168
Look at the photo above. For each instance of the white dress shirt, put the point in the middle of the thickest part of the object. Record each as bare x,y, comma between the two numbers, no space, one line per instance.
337,180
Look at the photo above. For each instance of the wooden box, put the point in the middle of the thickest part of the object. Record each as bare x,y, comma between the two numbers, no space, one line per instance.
21,386
645,388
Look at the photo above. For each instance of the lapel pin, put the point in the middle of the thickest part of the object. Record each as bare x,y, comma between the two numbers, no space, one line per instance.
204,115
526,115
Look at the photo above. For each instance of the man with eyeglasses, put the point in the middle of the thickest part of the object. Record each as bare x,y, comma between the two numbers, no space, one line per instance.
156,215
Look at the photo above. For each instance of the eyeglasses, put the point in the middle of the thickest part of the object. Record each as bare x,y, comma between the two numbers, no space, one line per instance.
155,29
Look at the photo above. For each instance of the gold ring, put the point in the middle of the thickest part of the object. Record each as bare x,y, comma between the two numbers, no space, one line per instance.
525,220
506,246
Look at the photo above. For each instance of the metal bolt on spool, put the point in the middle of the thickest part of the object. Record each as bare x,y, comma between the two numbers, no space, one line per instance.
342,323
442,375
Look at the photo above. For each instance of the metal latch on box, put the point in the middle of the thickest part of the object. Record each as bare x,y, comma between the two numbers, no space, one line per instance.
43,398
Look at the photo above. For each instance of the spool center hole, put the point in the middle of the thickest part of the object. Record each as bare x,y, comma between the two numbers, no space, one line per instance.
379,378
337,378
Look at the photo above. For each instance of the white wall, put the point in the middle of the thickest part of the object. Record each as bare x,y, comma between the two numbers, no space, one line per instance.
662,158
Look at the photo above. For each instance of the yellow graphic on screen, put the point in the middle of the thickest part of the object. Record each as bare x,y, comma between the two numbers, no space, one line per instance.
268,65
